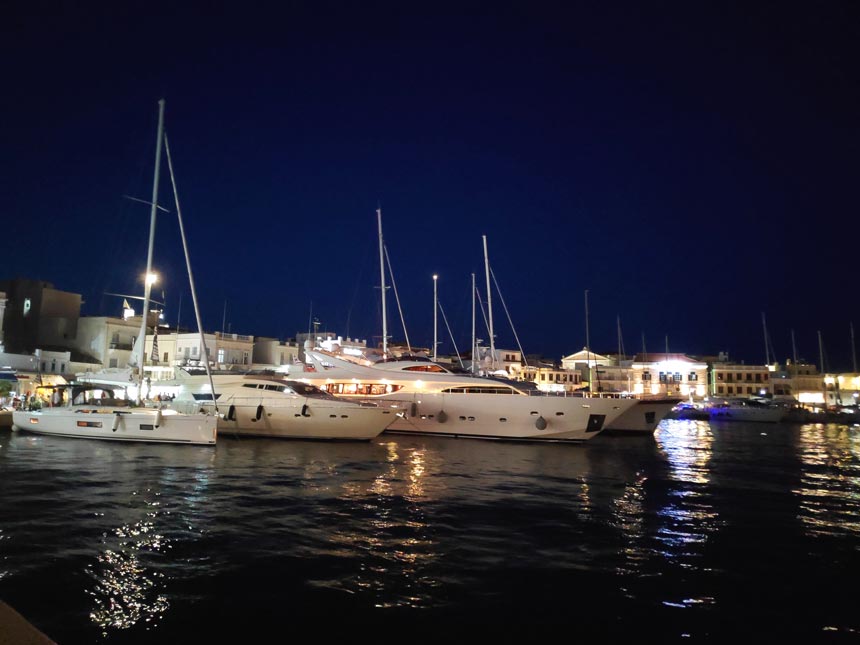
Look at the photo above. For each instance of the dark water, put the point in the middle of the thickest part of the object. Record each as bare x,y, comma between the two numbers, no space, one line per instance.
700,533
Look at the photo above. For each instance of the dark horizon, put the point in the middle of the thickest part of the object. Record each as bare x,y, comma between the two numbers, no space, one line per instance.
692,167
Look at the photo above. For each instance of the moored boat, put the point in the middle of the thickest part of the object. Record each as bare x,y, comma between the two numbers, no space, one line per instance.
745,410
644,417
433,400
94,412
271,406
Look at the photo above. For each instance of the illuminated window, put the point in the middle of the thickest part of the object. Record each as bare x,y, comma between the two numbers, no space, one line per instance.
26,306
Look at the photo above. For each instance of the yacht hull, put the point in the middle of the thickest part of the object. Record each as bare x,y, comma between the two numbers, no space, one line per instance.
298,419
520,418
135,424
642,418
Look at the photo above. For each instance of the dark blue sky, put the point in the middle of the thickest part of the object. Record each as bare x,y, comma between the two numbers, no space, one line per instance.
692,165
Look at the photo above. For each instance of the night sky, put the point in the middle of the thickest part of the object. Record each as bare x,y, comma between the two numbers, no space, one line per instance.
692,165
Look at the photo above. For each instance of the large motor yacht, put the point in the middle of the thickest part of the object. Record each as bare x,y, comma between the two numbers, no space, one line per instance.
433,400
271,406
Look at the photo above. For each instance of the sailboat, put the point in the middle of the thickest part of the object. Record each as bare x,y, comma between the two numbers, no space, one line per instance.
94,411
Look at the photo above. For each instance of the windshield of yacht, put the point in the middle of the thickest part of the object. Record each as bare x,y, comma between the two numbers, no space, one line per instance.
305,389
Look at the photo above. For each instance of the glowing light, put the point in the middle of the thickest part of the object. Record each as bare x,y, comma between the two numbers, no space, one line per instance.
151,278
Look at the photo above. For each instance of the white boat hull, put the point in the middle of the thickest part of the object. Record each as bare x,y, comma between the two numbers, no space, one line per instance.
297,418
513,417
123,424
642,418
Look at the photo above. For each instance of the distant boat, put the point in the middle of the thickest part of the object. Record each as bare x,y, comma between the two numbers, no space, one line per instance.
745,410
93,411
272,406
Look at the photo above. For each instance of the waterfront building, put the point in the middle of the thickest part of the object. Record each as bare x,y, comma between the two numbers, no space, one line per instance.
551,378
669,374
35,315
271,352
733,380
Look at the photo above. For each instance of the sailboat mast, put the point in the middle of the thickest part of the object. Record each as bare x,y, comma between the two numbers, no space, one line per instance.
793,348
435,316
587,343
853,350
821,370
766,346
489,306
382,286
190,276
620,342
474,357
147,280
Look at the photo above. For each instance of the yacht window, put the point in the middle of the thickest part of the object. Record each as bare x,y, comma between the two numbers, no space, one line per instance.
480,390
425,368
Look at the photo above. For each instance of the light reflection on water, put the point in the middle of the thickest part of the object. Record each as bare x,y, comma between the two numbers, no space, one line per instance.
829,490
146,537
690,515
125,591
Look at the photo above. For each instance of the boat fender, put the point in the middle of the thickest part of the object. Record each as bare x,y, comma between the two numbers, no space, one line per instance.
413,409
259,412
441,417
540,423
158,418
306,410
116,420
231,413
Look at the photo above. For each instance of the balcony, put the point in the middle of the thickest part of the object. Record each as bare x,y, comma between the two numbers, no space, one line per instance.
121,346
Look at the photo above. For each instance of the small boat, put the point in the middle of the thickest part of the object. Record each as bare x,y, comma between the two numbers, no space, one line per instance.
271,406
745,410
94,411
644,417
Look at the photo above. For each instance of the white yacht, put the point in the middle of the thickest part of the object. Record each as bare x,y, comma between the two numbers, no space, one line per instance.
745,410
644,417
271,406
433,400
94,412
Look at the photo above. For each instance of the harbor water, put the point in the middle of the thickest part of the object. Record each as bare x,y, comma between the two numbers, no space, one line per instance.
701,532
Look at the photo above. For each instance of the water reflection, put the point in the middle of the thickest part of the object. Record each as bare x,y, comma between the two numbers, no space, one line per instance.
125,591
829,490
394,545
